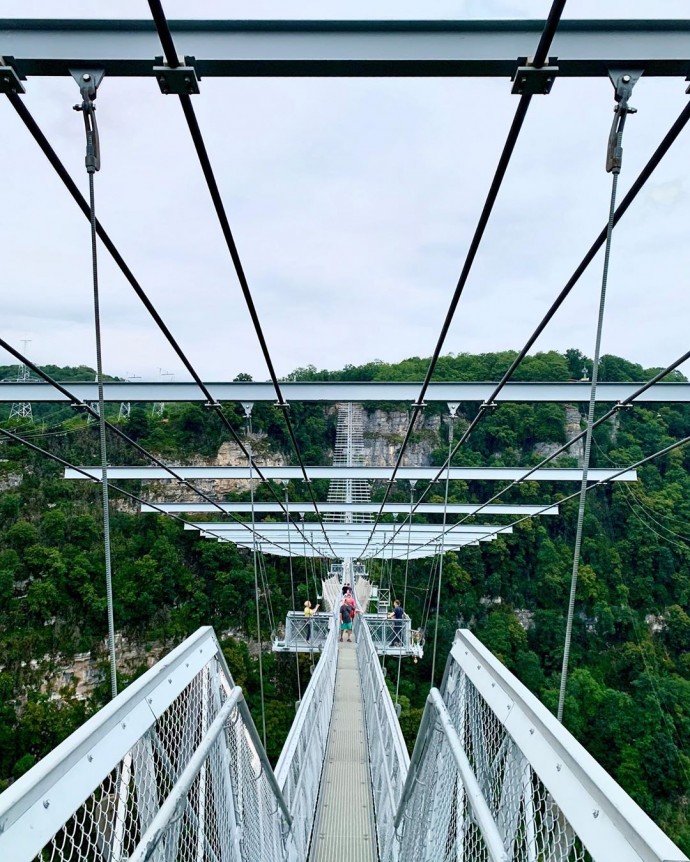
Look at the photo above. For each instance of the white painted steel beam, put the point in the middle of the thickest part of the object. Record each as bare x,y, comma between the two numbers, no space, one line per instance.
356,508
466,474
346,48
278,528
334,391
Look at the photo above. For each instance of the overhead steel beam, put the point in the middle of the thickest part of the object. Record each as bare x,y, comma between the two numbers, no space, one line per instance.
332,391
346,48
356,508
277,528
483,474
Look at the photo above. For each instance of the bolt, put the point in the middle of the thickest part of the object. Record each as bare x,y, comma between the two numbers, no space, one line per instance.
46,803
149,699
170,680
531,730
558,767
595,813
89,757
123,725
161,79
626,80
86,77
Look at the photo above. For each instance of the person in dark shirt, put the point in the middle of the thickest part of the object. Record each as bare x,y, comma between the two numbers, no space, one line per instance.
346,622
397,615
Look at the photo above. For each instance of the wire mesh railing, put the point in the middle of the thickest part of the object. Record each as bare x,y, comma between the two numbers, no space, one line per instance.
394,636
298,771
388,757
171,769
494,776
304,633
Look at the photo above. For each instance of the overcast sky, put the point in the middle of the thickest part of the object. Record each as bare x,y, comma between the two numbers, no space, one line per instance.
353,202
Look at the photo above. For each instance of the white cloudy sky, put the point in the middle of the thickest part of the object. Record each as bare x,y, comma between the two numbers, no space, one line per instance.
353,203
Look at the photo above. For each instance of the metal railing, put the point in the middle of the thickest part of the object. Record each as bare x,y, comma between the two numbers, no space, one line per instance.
393,637
299,768
304,634
171,769
494,776
388,757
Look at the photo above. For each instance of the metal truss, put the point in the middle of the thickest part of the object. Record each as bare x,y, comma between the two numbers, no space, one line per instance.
137,392
466,474
344,48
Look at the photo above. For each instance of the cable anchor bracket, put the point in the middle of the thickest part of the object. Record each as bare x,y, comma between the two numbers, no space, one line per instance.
89,80
10,78
180,80
623,81
529,80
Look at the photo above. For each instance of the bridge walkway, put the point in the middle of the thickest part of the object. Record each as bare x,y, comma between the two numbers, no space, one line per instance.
344,826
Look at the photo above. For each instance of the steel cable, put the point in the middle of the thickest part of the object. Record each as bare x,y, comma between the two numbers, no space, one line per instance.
669,138
441,551
167,43
82,203
539,59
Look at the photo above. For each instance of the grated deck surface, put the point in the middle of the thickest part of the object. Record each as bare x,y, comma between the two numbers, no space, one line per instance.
344,830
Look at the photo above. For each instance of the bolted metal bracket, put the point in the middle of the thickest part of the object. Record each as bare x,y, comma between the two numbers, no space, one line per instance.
529,80
89,81
10,82
180,81
623,81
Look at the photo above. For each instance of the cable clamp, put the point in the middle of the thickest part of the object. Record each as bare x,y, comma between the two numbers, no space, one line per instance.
282,404
180,81
623,81
420,404
213,405
622,406
488,405
89,80
10,79
528,80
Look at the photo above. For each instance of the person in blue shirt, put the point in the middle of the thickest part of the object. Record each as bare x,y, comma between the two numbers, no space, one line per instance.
397,615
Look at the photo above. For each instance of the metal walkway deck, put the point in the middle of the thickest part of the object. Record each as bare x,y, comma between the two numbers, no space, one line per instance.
344,828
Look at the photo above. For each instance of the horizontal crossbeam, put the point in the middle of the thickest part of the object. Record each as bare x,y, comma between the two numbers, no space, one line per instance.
277,528
482,474
332,391
355,508
346,48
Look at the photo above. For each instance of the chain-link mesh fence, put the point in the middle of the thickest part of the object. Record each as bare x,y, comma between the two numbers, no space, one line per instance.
171,770
388,758
299,769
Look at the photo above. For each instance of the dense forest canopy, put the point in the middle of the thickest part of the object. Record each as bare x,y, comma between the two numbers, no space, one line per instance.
629,693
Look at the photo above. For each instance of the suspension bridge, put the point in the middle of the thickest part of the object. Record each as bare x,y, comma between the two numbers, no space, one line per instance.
173,767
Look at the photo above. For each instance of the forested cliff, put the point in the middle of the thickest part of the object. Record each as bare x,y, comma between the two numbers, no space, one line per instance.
629,692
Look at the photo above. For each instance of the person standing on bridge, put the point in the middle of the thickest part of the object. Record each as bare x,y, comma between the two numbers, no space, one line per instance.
308,614
397,615
346,614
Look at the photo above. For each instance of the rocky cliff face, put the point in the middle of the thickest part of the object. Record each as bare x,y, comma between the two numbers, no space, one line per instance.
573,418
384,432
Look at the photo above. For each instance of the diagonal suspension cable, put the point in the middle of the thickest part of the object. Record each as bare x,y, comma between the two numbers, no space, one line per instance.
538,61
85,407
173,62
664,146
83,205
626,403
